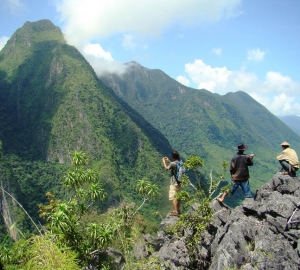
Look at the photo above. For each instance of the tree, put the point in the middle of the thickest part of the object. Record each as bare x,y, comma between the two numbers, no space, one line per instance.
64,218
147,190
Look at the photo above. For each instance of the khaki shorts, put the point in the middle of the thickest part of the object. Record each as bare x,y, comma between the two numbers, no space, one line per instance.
174,189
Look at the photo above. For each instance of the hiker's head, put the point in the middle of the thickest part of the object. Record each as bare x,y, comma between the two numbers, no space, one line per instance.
242,147
285,145
175,155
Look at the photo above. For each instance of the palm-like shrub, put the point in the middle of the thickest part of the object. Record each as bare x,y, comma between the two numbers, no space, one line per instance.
74,232
64,218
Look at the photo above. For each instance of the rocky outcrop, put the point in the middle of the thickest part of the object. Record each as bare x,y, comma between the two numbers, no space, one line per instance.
112,256
262,233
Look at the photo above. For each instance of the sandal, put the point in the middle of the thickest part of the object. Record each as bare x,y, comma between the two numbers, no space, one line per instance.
174,213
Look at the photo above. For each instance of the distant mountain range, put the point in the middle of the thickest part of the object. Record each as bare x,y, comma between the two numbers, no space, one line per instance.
292,121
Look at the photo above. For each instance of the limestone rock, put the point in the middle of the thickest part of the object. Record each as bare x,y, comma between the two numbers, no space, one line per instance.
259,234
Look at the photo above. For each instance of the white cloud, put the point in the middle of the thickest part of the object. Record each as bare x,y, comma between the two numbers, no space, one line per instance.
14,7
276,82
256,55
101,66
217,51
128,42
207,77
242,80
183,80
279,93
279,105
97,51
101,60
3,41
89,19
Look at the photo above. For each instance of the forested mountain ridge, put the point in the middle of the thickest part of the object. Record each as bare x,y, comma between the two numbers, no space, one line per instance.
204,123
52,104
263,124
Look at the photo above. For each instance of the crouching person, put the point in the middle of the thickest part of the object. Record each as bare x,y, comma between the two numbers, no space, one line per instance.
288,160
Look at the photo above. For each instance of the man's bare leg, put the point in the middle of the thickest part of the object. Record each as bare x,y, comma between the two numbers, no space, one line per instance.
176,205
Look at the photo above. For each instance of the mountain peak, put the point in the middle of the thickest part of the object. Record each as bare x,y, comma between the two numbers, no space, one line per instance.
133,63
39,26
39,31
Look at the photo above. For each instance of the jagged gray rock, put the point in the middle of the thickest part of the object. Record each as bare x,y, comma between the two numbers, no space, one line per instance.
254,235
114,256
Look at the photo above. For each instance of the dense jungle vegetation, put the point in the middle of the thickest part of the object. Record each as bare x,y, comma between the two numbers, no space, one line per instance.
74,227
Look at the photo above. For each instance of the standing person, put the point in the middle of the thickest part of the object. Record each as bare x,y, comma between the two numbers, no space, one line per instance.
174,185
239,172
288,159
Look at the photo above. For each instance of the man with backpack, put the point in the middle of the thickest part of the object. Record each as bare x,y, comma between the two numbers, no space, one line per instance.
174,183
239,172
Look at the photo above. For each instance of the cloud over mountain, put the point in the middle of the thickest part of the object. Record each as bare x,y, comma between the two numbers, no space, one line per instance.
89,22
277,92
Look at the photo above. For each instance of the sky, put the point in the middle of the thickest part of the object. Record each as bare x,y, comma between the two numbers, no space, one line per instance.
219,45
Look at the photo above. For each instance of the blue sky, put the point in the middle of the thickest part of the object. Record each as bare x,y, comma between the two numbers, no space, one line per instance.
220,45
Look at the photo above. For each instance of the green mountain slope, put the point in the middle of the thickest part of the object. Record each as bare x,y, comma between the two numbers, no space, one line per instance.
52,103
266,127
200,122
